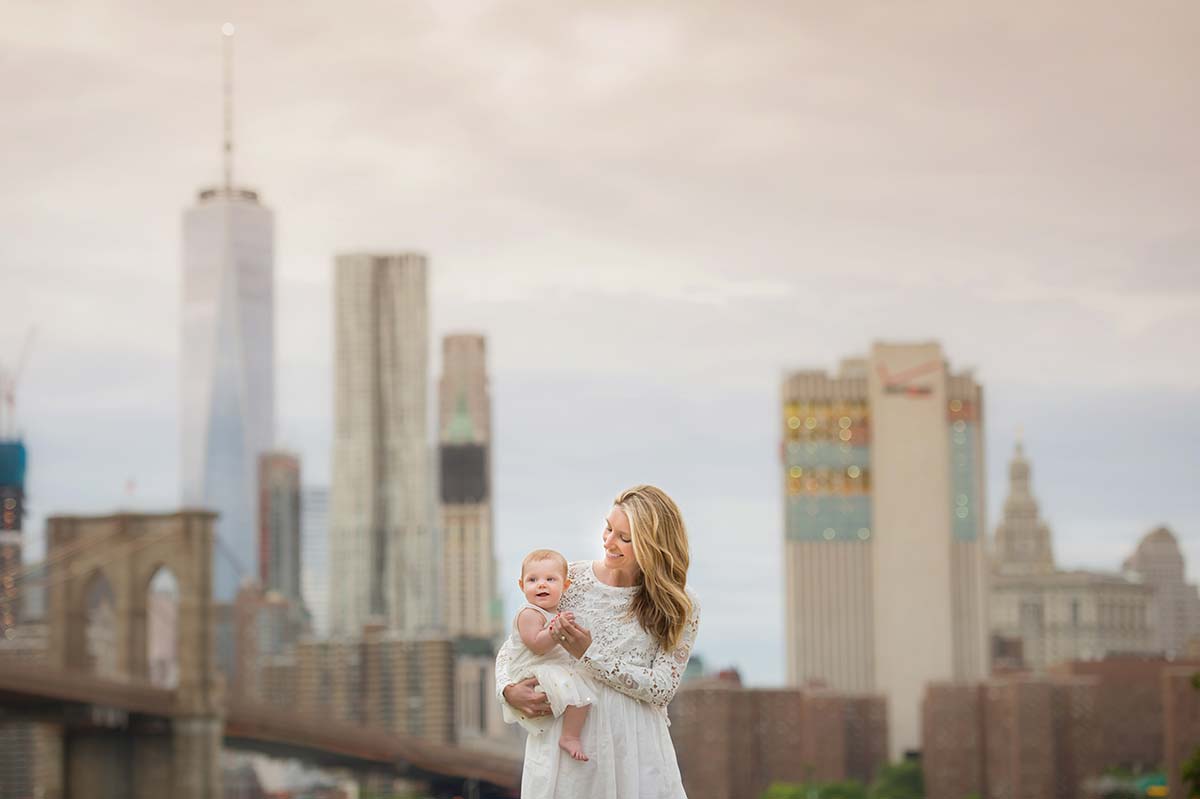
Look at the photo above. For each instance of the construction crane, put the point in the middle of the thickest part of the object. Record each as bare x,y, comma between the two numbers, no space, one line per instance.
8,388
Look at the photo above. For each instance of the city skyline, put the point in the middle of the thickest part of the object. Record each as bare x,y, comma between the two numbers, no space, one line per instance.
626,279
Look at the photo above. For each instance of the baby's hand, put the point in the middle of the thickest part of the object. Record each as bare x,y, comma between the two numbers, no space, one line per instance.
566,616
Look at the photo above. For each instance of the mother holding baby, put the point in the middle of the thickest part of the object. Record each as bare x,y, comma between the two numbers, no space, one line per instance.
629,622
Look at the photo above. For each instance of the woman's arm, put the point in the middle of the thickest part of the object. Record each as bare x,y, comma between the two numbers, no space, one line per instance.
655,683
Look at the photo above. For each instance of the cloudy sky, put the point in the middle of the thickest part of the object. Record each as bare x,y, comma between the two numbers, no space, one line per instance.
652,211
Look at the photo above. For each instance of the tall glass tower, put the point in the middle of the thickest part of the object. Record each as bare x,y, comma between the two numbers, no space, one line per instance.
227,359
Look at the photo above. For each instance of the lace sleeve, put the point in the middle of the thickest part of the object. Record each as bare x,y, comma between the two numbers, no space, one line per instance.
655,683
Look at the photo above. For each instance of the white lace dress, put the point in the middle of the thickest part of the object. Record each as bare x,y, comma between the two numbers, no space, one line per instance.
625,737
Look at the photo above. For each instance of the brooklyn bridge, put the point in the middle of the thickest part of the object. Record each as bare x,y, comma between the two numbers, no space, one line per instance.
114,723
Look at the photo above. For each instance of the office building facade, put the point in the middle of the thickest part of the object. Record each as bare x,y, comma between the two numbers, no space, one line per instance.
383,550
884,541
314,560
465,483
279,514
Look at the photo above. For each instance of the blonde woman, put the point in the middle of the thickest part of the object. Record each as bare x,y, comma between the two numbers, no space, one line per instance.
630,623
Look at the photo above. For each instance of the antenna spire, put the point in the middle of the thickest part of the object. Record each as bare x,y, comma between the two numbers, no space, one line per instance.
227,58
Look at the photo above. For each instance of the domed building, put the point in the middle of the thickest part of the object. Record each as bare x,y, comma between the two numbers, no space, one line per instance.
1175,609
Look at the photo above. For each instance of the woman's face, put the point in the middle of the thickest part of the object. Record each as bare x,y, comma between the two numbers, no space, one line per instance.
618,543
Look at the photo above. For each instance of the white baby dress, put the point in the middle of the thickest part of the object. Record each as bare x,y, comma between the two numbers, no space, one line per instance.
555,672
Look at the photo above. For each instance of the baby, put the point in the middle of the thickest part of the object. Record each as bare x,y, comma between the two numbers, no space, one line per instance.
533,652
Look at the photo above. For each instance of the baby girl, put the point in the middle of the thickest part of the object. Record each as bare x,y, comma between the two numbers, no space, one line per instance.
534,652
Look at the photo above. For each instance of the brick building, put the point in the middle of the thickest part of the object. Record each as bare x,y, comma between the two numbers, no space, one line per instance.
1129,706
30,752
1021,736
732,742
384,681
1045,736
1181,723
408,685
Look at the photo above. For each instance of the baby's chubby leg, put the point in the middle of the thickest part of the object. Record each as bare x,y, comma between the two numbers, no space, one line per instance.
570,741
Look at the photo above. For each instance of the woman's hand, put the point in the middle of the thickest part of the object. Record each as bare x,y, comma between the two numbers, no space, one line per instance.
526,700
570,635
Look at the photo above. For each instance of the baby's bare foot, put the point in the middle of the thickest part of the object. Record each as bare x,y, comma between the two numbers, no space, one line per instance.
572,746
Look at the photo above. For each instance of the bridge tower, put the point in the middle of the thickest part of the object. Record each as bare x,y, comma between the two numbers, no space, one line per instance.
101,618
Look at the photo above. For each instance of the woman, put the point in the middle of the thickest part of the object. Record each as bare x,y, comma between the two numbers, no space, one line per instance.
630,622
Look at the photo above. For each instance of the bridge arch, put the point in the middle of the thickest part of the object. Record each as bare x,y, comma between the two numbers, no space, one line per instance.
137,555
162,627
99,649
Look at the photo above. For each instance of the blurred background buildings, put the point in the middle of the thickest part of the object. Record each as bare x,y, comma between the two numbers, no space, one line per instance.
1056,616
369,599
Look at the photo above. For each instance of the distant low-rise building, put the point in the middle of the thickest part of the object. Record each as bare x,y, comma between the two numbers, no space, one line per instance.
1050,735
29,752
1020,736
1072,615
382,680
1181,723
266,625
1130,706
478,714
408,685
732,742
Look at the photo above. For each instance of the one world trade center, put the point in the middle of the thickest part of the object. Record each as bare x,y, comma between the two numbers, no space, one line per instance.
227,362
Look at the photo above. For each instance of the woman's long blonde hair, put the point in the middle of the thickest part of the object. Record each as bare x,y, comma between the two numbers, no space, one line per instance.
660,544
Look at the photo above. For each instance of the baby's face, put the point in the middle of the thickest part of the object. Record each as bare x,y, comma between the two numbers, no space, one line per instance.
543,583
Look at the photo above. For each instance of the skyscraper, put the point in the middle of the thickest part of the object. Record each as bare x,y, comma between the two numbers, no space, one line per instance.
227,362
884,554
382,546
314,563
12,513
464,451
279,555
